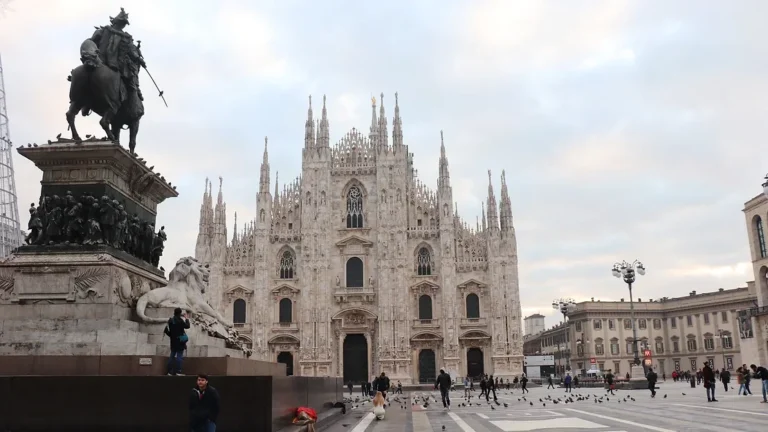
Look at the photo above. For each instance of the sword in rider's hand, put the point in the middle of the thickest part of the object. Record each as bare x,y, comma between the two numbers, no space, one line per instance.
138,48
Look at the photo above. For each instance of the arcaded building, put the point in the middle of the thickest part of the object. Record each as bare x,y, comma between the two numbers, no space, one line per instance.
356,267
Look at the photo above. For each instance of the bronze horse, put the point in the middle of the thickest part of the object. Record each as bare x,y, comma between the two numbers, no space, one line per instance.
98,88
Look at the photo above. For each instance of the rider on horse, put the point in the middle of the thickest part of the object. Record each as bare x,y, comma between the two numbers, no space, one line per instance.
117,51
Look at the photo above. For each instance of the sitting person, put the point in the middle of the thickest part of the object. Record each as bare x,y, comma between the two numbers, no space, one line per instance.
378,406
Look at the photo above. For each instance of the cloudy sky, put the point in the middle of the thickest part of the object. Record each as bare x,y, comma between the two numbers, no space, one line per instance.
627,129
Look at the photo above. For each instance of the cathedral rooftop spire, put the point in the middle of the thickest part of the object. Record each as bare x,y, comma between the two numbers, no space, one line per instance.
493,215
374,133
323,134
383,133
397,125
309,127
506,206
444,179
264,175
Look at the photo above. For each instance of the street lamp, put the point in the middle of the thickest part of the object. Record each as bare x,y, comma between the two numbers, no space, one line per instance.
627,271
564,306
765,185
721,334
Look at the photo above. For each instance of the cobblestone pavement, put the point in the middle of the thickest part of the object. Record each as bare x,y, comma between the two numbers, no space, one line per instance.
684,409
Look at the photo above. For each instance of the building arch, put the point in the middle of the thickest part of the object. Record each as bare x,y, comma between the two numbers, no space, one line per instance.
239,311
286,263
424,259
354,310
355,272
472,306
283,338
759,235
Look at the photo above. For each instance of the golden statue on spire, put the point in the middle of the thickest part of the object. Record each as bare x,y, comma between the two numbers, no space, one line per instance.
373,100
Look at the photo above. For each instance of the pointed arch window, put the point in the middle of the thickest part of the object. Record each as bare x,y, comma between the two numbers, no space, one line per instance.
287,265
286,311
424,262
354,208
473,306
238,312
760,234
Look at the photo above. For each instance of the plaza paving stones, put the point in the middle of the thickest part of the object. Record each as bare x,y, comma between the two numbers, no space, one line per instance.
685,409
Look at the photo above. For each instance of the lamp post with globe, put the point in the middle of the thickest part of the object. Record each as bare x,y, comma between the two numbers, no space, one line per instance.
564,306
628,272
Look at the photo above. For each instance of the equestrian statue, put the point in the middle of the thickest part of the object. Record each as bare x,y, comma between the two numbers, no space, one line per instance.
107,82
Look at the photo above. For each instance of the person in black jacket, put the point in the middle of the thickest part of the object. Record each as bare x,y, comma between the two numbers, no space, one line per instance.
382,384
175,331
652,377
203,406
443,382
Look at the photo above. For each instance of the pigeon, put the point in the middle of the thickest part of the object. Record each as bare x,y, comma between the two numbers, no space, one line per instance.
665,396
58,137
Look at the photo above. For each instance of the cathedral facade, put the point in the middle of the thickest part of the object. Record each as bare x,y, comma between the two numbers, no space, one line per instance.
357,267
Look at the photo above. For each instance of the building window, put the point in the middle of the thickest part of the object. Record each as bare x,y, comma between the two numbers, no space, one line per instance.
691,344
616,367
473,306
724,316
627,324
611,325
287,265
727,341
675,346
578,326
354,208
597,324
729,363
641,324
693,365
286,310
673,322
760,236
599,349
580,350
238,311
706,318
425,307
629,347
709,343
689,320
601,366
614,347
659,346
355,273
656,324
424,262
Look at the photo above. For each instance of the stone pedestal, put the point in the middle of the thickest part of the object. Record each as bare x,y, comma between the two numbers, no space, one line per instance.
637,378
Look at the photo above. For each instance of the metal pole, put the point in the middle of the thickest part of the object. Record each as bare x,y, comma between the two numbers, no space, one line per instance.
634,327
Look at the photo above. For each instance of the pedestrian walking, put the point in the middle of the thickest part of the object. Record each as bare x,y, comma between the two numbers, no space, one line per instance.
762,373
491,388
443,383
725,377
708,376
466,387
175,329
549,381
203,406
349,386
567,383
382,384
652,378
609,381
524,384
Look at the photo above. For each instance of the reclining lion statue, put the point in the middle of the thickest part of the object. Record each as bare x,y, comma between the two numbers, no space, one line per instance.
186,285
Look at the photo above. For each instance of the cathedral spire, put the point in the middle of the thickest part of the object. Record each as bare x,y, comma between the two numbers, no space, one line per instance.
383,134
323,135
493,215
203,246
309,127
219,237
505,211
374,134
397,126
444,179
264,177
482,206
234,234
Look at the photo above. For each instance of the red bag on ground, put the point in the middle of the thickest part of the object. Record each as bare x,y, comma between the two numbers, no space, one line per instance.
306,416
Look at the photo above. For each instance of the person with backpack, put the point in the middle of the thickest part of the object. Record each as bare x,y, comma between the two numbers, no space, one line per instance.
176,332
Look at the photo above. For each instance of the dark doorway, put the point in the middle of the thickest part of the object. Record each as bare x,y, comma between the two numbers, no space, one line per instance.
355,358
475,366
286,358
427,372
425,307
355,276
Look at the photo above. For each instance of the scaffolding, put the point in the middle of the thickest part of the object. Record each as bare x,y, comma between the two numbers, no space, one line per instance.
10,231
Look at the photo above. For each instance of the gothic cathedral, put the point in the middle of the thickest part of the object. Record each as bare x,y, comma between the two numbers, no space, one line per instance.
357,267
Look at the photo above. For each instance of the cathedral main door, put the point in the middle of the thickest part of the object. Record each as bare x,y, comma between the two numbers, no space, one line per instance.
427,372
355,358
475,366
